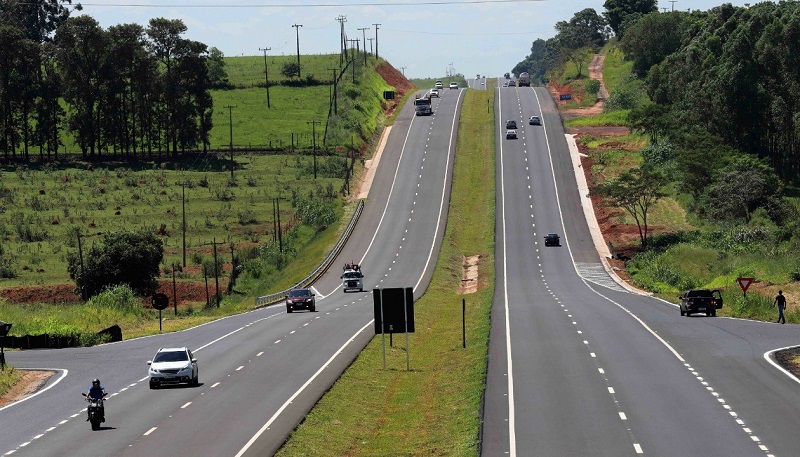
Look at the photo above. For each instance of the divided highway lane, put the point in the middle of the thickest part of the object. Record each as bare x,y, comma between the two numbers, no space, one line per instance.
570,372
262,371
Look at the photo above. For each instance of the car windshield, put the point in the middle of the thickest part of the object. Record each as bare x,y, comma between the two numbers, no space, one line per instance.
351,275
171,356
299,293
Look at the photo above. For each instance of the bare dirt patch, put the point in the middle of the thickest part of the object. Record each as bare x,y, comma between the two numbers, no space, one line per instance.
30,382
469,275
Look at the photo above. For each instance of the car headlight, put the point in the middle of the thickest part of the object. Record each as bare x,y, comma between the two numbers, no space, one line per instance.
186,367
153,370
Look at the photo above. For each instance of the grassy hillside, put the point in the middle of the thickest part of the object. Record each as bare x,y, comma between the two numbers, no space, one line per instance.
43,206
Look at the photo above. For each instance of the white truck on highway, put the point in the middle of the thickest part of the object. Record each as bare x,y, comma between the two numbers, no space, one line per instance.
352,278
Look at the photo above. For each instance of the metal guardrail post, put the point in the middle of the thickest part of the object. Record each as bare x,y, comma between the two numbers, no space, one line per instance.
271,299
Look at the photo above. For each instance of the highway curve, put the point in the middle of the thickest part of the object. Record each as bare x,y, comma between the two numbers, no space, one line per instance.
262,371
580,366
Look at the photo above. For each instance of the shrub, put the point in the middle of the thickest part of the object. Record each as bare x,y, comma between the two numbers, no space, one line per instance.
125,257
592,87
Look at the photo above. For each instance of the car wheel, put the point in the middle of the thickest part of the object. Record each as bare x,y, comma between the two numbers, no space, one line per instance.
153,385
683,313
361,289
313,309
288,310
714,313
196,380
688,314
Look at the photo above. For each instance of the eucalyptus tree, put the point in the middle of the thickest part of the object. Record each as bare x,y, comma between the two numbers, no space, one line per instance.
82,47
164,43
49,113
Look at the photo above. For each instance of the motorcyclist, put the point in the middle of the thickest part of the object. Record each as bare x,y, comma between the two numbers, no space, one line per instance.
96,392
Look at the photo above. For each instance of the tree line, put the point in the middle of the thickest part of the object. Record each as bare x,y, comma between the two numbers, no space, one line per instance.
719,97
127,90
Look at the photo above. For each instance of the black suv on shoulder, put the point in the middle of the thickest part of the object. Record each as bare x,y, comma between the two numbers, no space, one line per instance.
300,299
700,301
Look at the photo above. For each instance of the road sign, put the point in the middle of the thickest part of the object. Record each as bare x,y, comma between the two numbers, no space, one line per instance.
744,283
565,97
4,328
394,310
160,301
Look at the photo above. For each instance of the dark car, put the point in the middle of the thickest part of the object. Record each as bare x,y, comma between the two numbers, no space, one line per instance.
300,299
511,134
552,239
534,120
512,124
700,301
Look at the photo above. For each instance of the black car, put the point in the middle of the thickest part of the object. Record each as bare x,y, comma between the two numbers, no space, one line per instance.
700,301
534,120
511,124
300,299
552,239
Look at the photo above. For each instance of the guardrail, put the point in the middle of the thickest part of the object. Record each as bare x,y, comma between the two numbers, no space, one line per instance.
271,299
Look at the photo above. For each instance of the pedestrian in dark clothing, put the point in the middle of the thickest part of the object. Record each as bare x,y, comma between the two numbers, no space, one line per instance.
780,302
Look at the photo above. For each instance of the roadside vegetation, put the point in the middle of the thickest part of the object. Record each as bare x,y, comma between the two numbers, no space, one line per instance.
8,378
303,153
435,409
716,129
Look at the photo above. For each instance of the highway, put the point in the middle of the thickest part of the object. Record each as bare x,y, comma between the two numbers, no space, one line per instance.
262,371
580,366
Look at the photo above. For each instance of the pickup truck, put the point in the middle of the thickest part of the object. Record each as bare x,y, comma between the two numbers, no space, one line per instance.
700,301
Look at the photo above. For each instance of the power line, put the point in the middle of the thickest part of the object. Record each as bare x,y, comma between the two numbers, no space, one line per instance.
313,5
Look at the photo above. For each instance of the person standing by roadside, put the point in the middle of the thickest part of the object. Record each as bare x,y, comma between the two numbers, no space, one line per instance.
780,302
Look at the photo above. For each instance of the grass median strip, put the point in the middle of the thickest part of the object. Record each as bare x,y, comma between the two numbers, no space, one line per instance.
435,409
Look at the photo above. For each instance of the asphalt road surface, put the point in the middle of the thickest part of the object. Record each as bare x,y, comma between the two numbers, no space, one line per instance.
579,366
262,371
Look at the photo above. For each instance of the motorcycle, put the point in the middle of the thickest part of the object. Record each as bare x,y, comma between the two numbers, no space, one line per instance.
96,410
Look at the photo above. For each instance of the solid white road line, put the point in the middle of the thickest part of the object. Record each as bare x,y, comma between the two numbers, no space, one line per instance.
150,431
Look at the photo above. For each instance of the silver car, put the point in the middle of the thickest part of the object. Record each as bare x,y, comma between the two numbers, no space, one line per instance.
173,366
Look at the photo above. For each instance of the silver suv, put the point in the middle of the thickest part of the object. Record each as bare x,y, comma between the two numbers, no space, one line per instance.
173,366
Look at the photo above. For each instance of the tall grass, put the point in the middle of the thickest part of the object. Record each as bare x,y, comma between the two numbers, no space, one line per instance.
8,378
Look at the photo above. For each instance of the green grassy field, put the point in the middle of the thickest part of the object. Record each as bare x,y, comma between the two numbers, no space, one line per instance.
435,409
8,378
46,206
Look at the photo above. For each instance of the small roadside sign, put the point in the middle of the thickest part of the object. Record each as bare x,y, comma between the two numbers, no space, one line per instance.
744,283
564,97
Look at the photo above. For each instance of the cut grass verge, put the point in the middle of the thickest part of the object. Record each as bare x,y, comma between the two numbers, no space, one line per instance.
435,409
8,378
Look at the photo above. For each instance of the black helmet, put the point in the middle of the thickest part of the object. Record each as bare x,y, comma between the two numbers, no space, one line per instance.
96,382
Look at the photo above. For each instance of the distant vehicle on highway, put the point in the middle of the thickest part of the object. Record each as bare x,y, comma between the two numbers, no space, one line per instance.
511,124
173,366
505,84
454,85
352,278
439,85
434,93
534,120
301,299
511,134
700,301
552,239
423,105
524,79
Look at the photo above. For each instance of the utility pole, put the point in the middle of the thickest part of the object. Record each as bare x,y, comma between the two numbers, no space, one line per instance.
297,27
353,60
664,8
403,69
377,26
342,42
183,224
314,142
230,115
364,35
370,45
266,74
673,4
216,269
335,104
